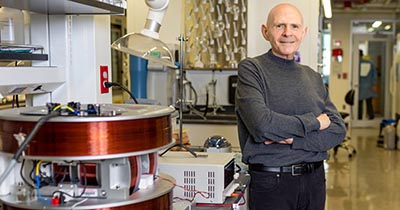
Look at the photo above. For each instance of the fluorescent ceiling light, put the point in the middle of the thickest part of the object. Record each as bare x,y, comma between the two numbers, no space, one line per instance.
327,8
388,27
376,24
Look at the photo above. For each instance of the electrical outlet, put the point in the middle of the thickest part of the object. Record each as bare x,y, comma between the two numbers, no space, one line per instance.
103,78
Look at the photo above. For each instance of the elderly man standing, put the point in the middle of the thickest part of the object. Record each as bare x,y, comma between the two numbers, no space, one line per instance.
286,120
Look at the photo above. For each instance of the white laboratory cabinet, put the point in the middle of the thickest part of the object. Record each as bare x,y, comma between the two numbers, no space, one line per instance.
75,35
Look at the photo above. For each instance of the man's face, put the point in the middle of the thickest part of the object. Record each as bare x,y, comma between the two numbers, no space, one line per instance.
285,31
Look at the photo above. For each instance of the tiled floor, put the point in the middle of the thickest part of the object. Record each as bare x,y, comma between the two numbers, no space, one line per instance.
368,181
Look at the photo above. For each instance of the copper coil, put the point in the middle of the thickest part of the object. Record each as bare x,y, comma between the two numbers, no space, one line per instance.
135,178
153,162
89,173
88,138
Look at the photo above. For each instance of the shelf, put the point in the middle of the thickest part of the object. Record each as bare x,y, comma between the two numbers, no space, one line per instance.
66,6
23,56
26,80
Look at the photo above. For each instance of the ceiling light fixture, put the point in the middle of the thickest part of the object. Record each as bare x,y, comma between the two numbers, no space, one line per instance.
376,24
327,8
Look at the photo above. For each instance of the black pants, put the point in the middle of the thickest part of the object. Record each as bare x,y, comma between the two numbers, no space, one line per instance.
370,109
282,191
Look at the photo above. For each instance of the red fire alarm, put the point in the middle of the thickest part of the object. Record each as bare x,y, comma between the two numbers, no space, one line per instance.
337,52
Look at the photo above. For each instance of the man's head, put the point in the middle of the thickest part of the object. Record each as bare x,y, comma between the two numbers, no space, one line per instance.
284,30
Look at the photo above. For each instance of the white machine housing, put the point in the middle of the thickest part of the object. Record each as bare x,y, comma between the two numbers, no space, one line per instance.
211,173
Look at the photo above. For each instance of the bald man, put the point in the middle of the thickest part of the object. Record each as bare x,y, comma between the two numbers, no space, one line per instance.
286,120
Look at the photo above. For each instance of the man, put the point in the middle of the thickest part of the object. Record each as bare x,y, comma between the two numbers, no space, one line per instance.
286,121
367,88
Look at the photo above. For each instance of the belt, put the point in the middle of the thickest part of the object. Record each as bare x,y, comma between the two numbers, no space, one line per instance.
295,170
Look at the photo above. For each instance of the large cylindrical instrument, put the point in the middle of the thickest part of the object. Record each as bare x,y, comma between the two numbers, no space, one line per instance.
106,159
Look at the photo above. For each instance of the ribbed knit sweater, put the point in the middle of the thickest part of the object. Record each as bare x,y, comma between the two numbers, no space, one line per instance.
277,99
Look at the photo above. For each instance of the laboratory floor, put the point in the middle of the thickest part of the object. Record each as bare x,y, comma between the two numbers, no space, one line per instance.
368,181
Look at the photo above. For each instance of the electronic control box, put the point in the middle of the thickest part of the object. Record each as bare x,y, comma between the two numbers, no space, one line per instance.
207,178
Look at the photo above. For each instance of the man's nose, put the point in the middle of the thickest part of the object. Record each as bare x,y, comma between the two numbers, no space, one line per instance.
287,31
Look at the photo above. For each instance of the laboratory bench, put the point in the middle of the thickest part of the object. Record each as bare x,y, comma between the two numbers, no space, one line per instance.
224,115
199,127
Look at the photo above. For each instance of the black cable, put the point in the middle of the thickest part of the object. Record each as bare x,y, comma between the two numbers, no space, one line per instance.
194,93
207,101
85,180
64,175
28,139
17,101
22,175
57,174
25,143
35,129
191,89
32,173
110,84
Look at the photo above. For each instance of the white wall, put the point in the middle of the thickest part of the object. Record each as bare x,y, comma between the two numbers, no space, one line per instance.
89,50
78,45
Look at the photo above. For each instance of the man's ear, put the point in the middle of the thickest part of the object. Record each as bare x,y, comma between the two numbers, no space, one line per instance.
305,30
264,31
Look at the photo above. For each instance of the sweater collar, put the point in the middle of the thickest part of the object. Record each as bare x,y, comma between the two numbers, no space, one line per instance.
280,60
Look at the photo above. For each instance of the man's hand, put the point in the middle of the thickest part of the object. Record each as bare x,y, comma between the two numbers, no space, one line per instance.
286,141
324,121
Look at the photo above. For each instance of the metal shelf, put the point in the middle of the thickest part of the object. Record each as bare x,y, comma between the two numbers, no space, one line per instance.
23,56
66,6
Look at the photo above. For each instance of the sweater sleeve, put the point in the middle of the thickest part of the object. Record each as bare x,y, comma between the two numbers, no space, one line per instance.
262,122
318,141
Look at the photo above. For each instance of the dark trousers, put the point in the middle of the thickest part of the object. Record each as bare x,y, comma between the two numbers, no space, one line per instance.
282,191
370,109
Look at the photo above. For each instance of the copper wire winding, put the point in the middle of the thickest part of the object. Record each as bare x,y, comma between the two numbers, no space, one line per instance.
89,138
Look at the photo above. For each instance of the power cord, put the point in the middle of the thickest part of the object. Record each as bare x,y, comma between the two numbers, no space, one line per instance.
110,84
24,144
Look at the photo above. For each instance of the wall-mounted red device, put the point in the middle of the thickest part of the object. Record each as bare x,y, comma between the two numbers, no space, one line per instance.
103,78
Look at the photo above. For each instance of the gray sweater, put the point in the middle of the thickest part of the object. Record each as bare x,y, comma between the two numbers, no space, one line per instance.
278,99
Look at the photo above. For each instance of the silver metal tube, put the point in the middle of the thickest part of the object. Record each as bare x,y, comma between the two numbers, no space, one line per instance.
152,25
